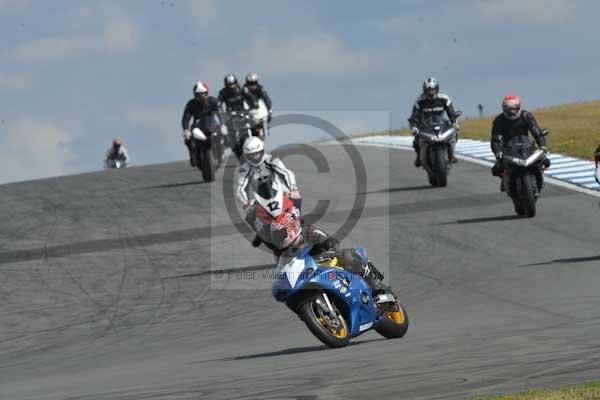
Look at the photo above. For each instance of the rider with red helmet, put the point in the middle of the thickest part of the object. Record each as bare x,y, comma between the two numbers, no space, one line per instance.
512,122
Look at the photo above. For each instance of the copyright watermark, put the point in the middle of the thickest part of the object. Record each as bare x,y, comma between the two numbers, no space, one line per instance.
333,174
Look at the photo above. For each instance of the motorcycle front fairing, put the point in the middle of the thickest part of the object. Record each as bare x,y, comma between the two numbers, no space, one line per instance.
519,157
436,132
296,277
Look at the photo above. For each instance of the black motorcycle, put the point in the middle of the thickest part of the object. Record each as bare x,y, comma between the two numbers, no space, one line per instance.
239,131
434,140
207,151
246,124
523,175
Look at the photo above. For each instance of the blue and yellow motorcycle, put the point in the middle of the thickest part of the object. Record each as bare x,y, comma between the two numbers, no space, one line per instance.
336,304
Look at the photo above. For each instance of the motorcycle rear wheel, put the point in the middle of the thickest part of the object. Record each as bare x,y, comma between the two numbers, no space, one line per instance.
334,332
394,323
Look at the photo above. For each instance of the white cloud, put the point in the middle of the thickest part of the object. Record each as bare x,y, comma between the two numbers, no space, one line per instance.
163,118
157,130
48,49
33,149
16,81
204,14
14,4
397,24
116,33
318,55
121,34
542,12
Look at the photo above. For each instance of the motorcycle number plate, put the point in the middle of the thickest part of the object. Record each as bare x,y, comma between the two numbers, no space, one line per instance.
293,270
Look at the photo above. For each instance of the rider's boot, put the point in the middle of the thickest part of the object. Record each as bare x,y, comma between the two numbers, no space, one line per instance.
188,144
451,155
256,241
375,279
416,147
350,259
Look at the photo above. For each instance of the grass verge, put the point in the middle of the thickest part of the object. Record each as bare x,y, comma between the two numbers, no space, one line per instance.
575,128
586,391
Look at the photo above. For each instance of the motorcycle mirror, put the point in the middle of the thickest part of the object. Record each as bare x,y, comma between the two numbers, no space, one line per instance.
458,114
545,132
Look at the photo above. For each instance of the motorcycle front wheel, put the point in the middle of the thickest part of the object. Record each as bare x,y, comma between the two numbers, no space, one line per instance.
332,330
440,166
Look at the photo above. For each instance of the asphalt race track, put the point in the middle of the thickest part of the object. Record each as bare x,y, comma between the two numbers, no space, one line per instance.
108,288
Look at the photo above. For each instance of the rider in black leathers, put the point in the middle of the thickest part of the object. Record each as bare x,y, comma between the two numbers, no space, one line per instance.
231,98
254,91
202,112
431,102
510,123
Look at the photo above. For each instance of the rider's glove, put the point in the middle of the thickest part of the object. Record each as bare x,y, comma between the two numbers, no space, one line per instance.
294,192
224,130
248,205
187,134
414,130
295,213
499,155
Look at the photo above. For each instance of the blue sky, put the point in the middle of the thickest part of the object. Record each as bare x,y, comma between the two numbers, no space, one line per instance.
75,74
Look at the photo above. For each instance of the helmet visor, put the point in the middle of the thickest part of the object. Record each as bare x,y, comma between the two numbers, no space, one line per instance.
255,158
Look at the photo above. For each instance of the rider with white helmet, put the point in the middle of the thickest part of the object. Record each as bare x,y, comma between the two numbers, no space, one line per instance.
259,166
201,112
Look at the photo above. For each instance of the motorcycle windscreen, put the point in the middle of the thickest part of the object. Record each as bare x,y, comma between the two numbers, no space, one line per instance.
519,147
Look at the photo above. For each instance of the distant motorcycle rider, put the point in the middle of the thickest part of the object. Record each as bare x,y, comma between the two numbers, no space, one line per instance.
512,122
201,112
116,152
431,103
253,92
230,99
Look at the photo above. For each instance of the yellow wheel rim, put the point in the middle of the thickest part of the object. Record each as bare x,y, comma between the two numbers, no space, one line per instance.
396,316
341,334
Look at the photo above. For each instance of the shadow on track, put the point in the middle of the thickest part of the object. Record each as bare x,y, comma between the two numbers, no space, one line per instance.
224,271
563,261
485,219
174,185
286,352
400,189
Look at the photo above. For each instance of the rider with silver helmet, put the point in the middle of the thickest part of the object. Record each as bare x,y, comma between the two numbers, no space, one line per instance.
201,112
431,103
253,92
230,99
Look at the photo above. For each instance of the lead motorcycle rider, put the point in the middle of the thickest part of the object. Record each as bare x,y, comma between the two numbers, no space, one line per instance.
203,113
286,233
512,122
432,103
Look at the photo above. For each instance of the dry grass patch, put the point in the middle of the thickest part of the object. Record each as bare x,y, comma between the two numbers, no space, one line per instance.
575,128
587,391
